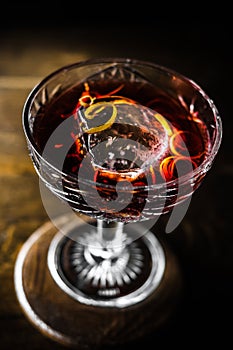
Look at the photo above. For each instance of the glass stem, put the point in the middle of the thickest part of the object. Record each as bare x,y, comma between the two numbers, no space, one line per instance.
100,229
110,234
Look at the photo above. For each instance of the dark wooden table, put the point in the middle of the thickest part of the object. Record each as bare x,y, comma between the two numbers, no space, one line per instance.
203,242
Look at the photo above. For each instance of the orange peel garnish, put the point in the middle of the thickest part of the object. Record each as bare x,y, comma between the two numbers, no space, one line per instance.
164,123
94,110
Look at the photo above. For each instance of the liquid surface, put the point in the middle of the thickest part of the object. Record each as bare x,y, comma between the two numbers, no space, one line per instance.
130,131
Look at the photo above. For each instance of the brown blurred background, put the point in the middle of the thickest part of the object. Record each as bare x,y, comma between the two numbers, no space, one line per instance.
34,41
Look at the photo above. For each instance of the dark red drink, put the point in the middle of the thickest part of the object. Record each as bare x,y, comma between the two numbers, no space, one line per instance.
129,144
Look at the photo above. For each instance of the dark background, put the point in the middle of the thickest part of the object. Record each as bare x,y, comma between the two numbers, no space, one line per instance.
36,39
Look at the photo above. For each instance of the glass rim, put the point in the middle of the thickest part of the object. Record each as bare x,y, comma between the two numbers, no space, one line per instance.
202,168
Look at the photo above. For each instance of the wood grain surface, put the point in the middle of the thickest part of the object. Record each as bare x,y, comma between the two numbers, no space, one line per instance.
202,245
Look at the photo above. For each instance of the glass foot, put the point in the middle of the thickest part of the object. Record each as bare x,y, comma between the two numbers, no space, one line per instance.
116,276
